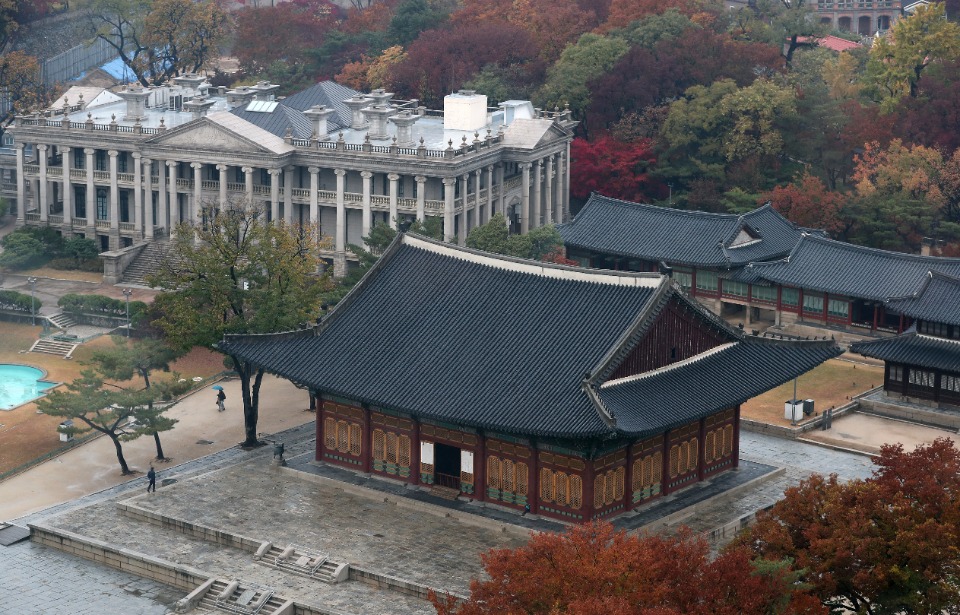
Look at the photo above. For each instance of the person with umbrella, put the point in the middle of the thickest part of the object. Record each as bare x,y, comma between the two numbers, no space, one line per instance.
221,396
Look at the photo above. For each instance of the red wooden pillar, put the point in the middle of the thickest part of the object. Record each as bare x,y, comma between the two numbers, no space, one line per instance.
778,315
533,489
665,471
693,282
588,509
318,453
415,452
736,436
826,311
900,326
366,443
876,316
702,451
800,303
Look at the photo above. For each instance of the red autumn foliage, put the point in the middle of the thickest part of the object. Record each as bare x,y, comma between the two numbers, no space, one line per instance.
594,569
888,544
612,168
558,256
282,33
808,203
624,12
932,118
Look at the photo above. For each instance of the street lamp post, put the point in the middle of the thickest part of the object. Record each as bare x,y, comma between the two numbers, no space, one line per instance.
33,301
670,185
126,293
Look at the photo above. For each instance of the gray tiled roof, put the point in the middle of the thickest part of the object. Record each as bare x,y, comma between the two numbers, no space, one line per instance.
289,112
912,348
277,121
938,300
486,341
710,382
835,267
696,238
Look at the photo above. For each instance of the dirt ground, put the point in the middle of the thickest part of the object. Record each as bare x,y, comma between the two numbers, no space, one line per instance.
867,433
830,384
25,434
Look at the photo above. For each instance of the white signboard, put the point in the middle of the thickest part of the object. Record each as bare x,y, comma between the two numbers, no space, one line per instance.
466,462
426,452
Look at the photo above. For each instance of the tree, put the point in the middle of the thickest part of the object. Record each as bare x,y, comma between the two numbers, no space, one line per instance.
20,78
238,273
931,118
413,17
20,251
793,21
897,61
80,249
593,569
807,202
613,168
88,401
887,544
8,20
125,361
283,33
534,245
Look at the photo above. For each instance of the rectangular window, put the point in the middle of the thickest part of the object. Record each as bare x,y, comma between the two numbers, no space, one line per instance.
767,294
921,378
895,373
790,297
103,213
933,328
838,308
735,289
79,159
683,278
813,303
101,160
121,163
707,281
950,383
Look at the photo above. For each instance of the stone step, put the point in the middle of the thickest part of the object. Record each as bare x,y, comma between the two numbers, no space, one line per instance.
49,346
445,493
328,572
62,320
210,602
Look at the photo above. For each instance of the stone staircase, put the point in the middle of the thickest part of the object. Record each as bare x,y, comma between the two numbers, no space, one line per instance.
243,598
52,346
62,320
147,262
445,493
302,562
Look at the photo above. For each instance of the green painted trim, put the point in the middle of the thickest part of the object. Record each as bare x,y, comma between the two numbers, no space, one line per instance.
452,426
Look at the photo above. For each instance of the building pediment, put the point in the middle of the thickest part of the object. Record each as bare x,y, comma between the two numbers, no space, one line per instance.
221,134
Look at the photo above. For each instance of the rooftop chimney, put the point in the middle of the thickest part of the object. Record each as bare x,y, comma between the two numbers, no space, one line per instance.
198,106
404,122
240,96
465,110
356,104
264,90
136,98
318,114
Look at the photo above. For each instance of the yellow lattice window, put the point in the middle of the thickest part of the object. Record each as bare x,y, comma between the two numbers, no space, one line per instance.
563,489
509,476
494,472
391,447
728,440
674,461
618,481
598,488
576,491
355,436
656,467
403,452
693,455
708,447
330,433
343,442
379,445
426,468
546,485
521,470
609,487
637,479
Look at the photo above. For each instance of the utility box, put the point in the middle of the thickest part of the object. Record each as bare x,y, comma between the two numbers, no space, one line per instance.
793,410
65,437
808,407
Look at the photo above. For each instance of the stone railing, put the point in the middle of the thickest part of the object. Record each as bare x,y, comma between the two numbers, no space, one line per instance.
126,178
128,226
433,205
79,222
54,172
102,175
32,217
55,219
78,174
103,224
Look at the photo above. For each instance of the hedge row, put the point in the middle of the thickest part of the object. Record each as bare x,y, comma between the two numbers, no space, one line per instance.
100,305
12,301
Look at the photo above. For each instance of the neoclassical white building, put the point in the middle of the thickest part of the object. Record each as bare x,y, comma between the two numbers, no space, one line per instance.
126,167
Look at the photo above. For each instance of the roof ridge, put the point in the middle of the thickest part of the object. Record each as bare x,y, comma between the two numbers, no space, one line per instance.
692,213
879,251
669,366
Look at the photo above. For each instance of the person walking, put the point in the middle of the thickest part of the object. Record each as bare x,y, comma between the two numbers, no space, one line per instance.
221,396
152,477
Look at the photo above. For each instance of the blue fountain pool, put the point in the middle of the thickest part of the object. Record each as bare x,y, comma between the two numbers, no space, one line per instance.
20,384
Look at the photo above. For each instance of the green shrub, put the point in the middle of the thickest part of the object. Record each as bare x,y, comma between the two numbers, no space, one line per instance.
21,251
69,264
100,305
12,301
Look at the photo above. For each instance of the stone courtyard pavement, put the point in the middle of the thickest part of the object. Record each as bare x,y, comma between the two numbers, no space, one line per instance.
245,494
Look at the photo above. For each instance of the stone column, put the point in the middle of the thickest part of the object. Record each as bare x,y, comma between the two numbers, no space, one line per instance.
21,187
525,198
223,185
67,228
478,177
393,177
91,195
367,214
315,198
114,199
162,212
537,197
148,221
137,194
274,194
43,204
340,241
448,194
465,203
548,193
248,185
174,202
288,194
488,213
558,191
197,193
501,195
421,196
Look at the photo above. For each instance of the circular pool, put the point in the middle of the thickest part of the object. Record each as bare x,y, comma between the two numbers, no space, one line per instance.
20,384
